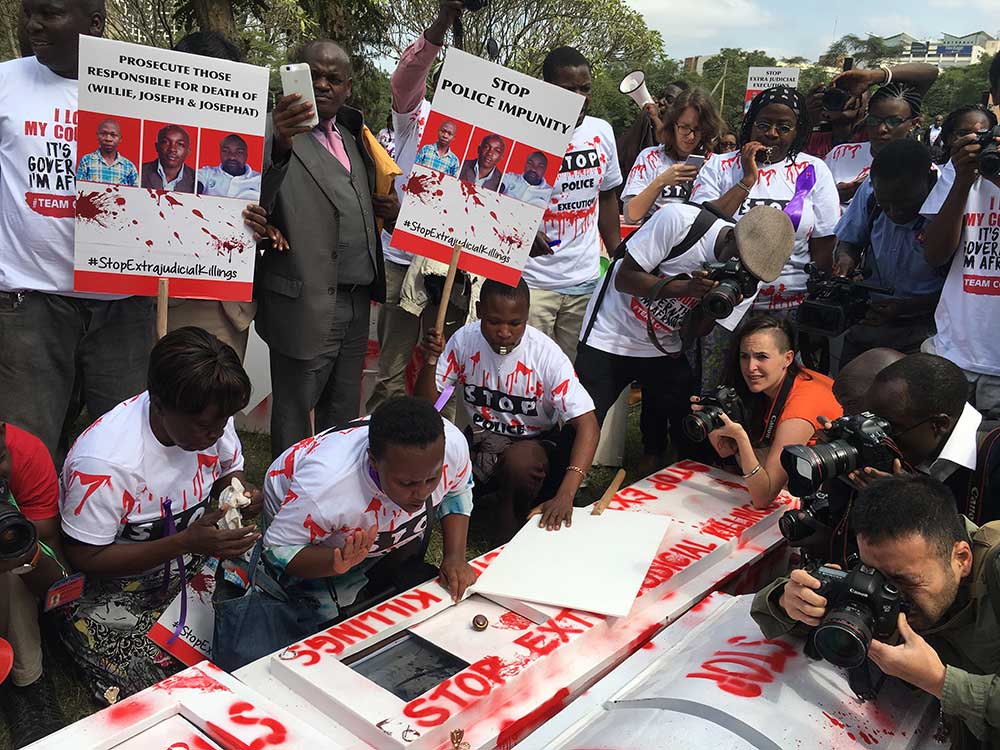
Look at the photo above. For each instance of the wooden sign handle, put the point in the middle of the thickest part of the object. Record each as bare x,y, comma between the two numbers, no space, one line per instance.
162,298
609,494
449,282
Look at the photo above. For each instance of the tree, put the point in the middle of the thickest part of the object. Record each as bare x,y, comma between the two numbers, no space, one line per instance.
605,31
956,87
726,74
869,52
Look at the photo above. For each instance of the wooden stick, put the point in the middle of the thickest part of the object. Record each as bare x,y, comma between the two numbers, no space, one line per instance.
162,298
449,282
602,505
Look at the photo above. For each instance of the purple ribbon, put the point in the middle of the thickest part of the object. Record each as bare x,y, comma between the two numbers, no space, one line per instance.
803,184
169,529
445,395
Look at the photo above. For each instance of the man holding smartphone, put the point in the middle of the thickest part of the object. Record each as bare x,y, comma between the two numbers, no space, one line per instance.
314,301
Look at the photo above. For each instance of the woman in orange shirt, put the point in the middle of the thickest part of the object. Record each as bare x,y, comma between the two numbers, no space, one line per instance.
783,403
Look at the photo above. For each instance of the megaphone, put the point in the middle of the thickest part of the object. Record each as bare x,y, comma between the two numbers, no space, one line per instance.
634,85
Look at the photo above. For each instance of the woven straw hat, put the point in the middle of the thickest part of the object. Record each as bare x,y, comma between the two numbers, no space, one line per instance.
765,238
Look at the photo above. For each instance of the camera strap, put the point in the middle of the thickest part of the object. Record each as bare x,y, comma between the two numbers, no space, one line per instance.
778,406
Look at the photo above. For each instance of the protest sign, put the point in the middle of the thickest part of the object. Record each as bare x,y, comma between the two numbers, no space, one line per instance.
492,148
169,152
759,79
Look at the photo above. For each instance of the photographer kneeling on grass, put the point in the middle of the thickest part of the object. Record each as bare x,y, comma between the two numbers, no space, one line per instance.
948,570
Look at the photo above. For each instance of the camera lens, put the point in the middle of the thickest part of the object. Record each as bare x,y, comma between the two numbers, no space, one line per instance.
844,636
808,467
989,161
722,299
834,100
698,424
792,527
17,534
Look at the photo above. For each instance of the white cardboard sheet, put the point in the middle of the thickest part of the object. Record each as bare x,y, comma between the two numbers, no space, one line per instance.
596,565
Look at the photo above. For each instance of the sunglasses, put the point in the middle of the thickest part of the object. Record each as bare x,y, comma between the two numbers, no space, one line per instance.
765,127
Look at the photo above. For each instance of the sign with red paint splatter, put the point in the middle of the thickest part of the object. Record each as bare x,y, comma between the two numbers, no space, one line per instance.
169,153
484,170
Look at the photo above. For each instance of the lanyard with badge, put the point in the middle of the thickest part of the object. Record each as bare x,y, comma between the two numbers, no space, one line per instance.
18,536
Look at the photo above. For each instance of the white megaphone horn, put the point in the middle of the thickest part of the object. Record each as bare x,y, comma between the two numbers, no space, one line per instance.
634,85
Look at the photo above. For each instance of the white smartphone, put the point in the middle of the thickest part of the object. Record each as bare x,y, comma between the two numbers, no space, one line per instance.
694,160
297,79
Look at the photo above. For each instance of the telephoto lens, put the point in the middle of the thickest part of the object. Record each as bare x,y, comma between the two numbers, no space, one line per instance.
720,301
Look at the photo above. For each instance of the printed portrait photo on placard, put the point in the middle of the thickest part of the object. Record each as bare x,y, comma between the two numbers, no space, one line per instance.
229,164
485,159
444,143
109,147
530,175
168,156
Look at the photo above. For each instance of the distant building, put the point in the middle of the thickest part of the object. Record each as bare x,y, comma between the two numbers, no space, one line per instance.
949,51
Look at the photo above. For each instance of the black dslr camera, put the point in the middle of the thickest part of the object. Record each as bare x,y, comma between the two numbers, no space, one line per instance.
812,528
723,400
833,304
861,605
835,99
857,440
735,285
17,533
989,158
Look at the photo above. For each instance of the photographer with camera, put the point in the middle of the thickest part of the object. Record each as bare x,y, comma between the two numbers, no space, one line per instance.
914,547
893,113
781,404
964,209
880,239
31,561
854,380
657,297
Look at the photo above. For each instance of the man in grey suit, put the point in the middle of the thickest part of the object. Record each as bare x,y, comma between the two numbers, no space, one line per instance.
314,300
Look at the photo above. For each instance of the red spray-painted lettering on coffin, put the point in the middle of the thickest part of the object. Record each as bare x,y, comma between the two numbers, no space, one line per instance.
512,621
756,668
512,732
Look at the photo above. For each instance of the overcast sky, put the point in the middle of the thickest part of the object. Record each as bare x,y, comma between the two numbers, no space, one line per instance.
805,27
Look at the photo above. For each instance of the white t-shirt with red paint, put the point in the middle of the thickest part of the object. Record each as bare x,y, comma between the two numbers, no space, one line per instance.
619,324
775,187
650,164
850,162
118,476
589,167
969,307
524,393
37,187
321,490
408,129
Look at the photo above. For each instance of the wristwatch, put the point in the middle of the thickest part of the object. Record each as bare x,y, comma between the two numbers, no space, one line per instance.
28,567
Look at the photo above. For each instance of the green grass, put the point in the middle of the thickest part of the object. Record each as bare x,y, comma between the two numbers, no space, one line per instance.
73,695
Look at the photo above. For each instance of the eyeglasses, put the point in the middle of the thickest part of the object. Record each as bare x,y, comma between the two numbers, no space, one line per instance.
686,129
890,122
895,433
765,127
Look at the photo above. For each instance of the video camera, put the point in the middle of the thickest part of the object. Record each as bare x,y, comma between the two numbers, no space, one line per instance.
862,604
723,400
833,304
17,533
989,158
852,442
735,284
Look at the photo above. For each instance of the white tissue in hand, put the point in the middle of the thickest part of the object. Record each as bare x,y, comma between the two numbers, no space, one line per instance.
231,500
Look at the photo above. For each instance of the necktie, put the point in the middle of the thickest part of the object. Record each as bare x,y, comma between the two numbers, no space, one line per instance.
334,144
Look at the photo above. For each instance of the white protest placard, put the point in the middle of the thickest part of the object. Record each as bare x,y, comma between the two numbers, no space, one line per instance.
596,565
169,152
492,148
759,79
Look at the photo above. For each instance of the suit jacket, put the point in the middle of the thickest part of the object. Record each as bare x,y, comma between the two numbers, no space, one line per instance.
150,178
470,173
296,291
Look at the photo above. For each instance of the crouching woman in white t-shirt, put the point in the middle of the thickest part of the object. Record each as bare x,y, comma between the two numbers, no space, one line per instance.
350,508
138,489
